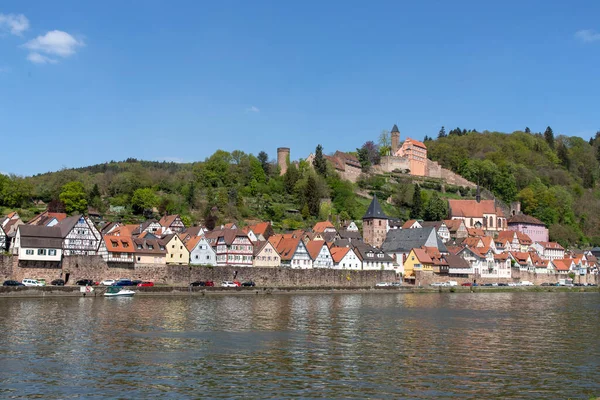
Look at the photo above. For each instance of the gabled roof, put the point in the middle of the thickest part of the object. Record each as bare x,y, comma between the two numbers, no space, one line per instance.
476,232
455,261
473,209
375,210
522,238
563,264
551,245
119,244
363,251
409,224
353,235
67,224
404,240
314,248
524,219
414,142
146,244
453,224
321,226
228,235
260,228
287,248
168,220
338,253
193,242
520,257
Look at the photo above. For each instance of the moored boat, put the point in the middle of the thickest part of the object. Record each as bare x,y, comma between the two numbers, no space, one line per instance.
115,291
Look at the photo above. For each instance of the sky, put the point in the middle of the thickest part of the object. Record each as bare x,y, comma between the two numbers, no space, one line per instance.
85,82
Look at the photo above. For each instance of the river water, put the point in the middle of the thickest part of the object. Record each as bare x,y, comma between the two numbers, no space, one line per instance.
474,346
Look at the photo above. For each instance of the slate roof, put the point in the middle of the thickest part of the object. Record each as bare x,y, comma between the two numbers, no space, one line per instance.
395,129
40,236
146,244
455,261
404,240
352,235
375,210
362,251
67,224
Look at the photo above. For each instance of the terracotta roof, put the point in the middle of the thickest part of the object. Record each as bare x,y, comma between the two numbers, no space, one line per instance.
192,242
124,230
415,143
409,223
321,226
524,219
119,244
551,245
260,228
338,253
453,224
454,249
168,220
473,209
476,232
563,264
521,257
287,248
501,256
314,248
473,242
422,256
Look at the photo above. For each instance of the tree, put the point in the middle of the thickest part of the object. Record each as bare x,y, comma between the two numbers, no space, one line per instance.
372,151
290,178
95,192
549,136
319,163
190,197
385,143
442,133
363,157
263,157
437,208
527,130
74,197
143,199
563,154
416,211
311,194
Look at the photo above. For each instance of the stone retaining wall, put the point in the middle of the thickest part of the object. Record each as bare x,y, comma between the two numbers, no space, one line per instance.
427,278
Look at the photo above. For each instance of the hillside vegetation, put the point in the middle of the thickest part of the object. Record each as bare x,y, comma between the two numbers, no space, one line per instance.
555,178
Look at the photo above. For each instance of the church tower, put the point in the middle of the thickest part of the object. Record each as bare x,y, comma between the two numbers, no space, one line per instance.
395,133
375,224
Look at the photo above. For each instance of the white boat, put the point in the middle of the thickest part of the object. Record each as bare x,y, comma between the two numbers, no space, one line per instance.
115,291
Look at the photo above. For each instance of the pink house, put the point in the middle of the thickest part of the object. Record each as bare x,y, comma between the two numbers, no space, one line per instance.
532,227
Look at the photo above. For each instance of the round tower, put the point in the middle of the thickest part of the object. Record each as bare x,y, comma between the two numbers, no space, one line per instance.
395,134
283,155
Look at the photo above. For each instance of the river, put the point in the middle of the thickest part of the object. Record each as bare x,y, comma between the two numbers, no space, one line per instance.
473,346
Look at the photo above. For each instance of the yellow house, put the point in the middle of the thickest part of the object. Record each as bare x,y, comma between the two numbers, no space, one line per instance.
265,255
426,259
177,253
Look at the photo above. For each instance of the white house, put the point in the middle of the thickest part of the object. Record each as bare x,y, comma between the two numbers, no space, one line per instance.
549,250
38,243
293,252
320,254
119,249
80,236
345,258
3,240
201,252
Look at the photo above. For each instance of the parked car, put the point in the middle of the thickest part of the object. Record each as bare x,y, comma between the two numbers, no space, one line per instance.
439,284
237,283
12,283
58,282
451,283
382,284
526,283
85,282
503,284
209,283
145,284
124,282
108,282
249,284
466,284
198,283
31,282
592,284
228,284
546,284
135,282
488,284
396,284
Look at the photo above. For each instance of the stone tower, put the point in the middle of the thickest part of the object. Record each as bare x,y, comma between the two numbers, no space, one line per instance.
283,154
375,224
395,133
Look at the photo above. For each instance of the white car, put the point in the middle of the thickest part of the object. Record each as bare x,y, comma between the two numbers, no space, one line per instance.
526,283
452,283
228,284
31,282
382,284
439,284
108,282
512,284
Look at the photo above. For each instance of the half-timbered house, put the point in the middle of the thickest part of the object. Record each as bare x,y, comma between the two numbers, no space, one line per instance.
80,236
120,250
172,224
233,247
320,254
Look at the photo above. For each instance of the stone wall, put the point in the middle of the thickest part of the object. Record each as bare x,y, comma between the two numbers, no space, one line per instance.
390,163
455,179
427,278
434,170
95,268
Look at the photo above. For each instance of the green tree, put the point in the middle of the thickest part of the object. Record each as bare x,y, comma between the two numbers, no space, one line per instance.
442,133
290,178
143,199
319,163
527,130
311,194
74,198
385,143
549,136
416,211
363,157
563,154
263,157
436,209
215,171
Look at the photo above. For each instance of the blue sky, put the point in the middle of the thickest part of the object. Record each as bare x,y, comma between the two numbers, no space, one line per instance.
83,82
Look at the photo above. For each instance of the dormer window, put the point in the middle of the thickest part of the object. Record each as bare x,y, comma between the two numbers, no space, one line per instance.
139,246
151,247
114,243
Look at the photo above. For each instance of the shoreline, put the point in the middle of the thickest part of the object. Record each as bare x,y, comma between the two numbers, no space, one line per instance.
179,291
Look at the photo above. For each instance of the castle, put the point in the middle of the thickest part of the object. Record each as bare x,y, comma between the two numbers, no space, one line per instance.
408,157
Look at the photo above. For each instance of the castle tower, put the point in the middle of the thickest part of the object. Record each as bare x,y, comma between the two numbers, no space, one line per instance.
375,224
283,155
395,139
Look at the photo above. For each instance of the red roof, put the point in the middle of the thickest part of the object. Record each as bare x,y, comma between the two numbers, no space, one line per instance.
338,253
260,228
119,244
287,247
551,245
408,224
415,143
473,209
314,248
321,226
562,264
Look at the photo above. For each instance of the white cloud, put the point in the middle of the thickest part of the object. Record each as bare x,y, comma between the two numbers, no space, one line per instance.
37,58
587,35
253,109
15,24
57,43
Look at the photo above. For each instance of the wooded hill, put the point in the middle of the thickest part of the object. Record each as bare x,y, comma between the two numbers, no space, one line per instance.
554,178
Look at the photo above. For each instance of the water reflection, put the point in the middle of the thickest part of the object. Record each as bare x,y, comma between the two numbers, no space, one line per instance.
493,345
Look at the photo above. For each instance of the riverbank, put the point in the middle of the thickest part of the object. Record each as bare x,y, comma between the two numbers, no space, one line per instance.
74,291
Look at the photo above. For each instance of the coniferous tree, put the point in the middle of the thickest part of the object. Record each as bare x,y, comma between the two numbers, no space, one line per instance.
442,133
263,157
363,157
416,211
290,178
319,162
549,136
437,208
563,154
527,130
311,194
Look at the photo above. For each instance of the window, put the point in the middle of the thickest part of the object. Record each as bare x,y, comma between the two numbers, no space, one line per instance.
139,258
171,255
151,247
29,252
181,256
196,256
139,246
172,246
41,252
207,257
162,248
51,252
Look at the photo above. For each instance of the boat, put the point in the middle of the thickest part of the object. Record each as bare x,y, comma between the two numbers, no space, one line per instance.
115,291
